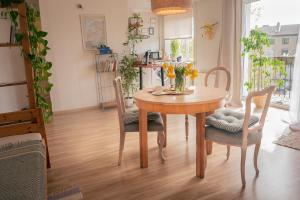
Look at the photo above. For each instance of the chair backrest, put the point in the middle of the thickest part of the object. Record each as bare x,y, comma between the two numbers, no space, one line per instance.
267,92
120,100
216,69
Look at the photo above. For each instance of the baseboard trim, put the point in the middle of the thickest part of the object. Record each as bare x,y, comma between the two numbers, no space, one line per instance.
279,106
62,112
109,104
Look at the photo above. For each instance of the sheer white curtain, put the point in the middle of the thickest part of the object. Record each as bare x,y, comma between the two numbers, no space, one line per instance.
295,96
230,46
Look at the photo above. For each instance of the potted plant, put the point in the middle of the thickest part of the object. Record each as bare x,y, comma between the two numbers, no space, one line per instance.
175,45
129,74
134,33
180,73
262,69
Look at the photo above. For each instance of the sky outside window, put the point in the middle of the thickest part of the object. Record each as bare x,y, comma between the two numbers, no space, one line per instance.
269,12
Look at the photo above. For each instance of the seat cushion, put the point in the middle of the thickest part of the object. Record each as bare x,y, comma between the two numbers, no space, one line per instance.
153,126
132,116
131,121
227,138
229,120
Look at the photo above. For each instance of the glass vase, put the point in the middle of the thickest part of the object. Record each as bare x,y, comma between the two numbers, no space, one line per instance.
172,84
179,83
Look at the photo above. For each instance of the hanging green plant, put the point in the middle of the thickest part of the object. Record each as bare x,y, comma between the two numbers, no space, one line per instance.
38,51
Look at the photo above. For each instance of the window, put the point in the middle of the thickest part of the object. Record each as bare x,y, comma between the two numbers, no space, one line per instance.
178,37
284,52
180,48
272,41
260,14
285,40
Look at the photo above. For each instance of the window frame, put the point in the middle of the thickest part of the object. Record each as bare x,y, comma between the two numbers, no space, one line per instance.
272,41
285,41
182,38
284,51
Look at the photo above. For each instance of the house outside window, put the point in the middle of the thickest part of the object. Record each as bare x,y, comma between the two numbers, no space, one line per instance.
178,37
285,40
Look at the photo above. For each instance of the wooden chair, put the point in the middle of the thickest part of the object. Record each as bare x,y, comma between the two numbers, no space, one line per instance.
248,136
228,82
155,123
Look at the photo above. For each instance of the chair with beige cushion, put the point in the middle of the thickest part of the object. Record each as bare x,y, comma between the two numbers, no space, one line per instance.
206,82
239,129
129,121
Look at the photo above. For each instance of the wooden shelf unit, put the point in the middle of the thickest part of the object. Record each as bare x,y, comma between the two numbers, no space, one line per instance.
106,71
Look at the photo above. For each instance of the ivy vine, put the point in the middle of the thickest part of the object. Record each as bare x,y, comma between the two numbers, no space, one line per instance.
37,54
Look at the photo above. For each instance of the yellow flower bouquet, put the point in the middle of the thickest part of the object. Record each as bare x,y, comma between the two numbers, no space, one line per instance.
180,73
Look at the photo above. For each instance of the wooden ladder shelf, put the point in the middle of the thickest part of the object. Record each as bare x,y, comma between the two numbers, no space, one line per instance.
26,48
8,126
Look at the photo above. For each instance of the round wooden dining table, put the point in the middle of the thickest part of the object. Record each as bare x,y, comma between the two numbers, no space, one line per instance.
202,101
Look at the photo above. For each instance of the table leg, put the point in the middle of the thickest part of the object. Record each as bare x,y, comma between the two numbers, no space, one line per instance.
164,118
200,145
141,78
209,144
162,76
143,138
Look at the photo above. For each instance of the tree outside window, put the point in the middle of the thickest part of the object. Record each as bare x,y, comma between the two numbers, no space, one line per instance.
180,48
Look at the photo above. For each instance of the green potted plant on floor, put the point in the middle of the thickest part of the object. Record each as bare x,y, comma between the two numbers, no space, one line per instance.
263,70
129,75
128,72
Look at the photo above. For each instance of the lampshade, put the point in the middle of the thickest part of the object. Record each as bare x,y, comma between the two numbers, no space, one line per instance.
171,7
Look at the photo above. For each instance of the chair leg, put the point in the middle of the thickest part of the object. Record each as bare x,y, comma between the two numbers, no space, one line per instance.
186,127
121,148
209,147
243,161
257,146
164,118
161,137
228,151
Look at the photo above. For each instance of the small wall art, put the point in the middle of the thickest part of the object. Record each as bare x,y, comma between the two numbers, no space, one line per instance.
208,30
93,27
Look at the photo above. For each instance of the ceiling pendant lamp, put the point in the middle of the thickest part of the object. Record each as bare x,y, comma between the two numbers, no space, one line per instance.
171,7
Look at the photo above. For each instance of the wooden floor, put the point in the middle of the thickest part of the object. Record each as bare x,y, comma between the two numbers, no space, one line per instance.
84,152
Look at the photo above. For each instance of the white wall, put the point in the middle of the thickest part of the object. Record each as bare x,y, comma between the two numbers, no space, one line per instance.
206,51
73,67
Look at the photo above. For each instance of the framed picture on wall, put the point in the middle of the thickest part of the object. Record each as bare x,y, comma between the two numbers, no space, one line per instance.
93,28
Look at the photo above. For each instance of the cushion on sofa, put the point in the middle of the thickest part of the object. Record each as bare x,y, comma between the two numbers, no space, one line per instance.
229,120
